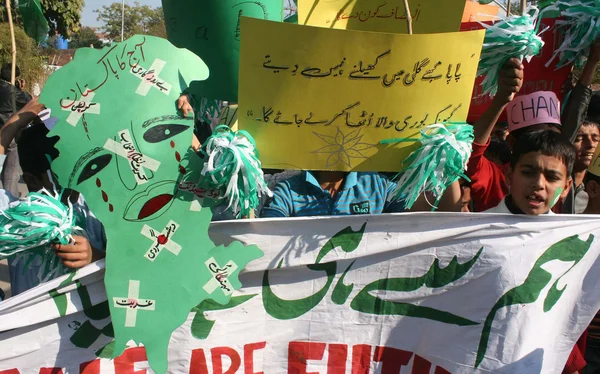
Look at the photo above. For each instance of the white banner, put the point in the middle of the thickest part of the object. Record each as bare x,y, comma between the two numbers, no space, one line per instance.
406,293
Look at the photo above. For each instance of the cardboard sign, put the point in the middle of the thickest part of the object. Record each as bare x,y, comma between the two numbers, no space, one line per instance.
429,16
327,104
211,29
127,149
533,109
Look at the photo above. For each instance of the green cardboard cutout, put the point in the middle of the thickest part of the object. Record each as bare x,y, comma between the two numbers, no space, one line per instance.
211,29
124,146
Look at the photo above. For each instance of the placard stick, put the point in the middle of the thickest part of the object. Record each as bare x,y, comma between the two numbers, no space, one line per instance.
523,7
408,17
13,52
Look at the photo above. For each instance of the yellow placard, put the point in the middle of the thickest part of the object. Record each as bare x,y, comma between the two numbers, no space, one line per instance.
428,16
322,99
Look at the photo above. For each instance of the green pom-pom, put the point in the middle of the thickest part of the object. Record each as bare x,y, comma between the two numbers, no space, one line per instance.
439,161
37,220
514,36
581,23
232,167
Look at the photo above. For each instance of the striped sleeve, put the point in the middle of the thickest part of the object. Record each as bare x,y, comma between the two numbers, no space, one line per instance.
281,205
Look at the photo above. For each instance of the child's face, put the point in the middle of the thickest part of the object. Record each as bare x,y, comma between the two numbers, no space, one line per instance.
585,145
537,182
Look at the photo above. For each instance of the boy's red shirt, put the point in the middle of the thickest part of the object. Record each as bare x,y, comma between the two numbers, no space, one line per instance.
488,179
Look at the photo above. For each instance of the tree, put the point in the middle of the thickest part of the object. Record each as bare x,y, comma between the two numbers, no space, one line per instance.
64,16
84,38
139,19
29,59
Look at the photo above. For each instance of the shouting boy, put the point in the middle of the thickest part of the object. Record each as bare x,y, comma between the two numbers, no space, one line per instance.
539,174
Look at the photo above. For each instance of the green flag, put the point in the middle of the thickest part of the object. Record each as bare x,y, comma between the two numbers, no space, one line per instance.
34,22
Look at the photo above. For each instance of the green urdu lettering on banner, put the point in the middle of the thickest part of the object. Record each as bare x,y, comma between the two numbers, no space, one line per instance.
348,240
571,249
436,277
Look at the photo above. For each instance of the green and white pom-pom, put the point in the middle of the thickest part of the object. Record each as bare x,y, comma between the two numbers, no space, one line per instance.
582,27
514,36
35,221
439,161
232,167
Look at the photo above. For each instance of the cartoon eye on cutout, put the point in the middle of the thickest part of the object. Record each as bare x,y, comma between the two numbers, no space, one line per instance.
93,167
163,132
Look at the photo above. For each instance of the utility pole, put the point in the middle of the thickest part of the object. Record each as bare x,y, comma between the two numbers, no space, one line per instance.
122,20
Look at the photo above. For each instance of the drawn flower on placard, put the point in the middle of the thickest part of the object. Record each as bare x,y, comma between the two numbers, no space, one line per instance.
342,148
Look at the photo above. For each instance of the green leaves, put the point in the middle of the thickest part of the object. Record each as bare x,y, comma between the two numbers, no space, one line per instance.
139,19
64,16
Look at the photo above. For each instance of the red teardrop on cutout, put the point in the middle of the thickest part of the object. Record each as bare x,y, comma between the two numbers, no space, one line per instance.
172,144
110,207
98,183
177,156
104,197
182,169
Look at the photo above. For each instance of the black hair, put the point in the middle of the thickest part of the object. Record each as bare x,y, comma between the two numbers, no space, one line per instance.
36,149
503,125
528,129
6,71
548,143
498,149
588,121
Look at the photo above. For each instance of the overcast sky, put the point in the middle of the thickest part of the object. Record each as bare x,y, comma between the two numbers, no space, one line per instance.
89,17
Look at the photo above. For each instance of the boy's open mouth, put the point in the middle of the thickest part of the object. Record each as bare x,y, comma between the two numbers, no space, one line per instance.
535,199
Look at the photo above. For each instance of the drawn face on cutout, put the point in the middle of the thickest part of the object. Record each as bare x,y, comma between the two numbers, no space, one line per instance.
124,123
148,184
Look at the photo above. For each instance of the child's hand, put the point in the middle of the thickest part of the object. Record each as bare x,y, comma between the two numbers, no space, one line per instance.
75,255
183,103
510,81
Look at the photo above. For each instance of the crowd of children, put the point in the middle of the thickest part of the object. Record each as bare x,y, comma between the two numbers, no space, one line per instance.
536,164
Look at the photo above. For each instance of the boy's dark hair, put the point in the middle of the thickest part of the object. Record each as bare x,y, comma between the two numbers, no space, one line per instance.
588,121
6,71
35,148
548,143
525,130
498,149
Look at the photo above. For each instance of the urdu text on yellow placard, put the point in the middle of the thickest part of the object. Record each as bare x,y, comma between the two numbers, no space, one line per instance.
428,16
323,99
